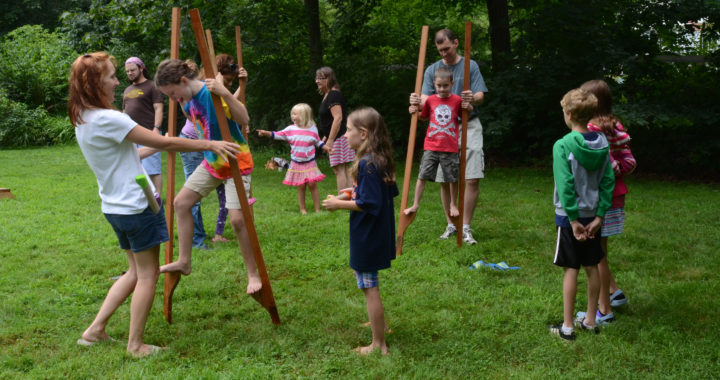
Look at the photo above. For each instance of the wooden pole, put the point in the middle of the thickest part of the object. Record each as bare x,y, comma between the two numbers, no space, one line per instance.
241,82
171,279
264,296
405,220
463,143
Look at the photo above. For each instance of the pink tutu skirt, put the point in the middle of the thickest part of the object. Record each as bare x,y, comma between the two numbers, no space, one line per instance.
301,173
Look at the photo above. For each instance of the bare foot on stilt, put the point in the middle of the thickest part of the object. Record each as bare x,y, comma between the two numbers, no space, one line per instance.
410,210
254,283
176,266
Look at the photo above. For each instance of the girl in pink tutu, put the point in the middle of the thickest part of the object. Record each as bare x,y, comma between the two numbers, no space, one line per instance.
303,138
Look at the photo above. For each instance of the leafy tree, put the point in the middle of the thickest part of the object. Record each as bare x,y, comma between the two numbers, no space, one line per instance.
34,65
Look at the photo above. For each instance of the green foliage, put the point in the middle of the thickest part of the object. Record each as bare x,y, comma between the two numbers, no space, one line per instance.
22,126
36,12
34,67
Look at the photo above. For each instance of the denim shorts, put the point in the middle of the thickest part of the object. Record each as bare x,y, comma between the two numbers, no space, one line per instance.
152,163
139,232
366,280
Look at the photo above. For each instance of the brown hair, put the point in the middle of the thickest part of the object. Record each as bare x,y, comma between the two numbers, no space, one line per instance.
226,65
444,73
442,34
85,85
170,71
377,144
603,117
580,103
328,73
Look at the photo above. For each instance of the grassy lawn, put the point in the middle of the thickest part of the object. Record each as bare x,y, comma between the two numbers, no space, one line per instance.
58,254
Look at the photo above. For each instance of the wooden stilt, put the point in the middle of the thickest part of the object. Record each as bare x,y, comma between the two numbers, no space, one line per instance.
405,220
5,193
463,144
264,296
171,280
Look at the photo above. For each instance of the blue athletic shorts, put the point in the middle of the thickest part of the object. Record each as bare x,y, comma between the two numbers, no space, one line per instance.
139,232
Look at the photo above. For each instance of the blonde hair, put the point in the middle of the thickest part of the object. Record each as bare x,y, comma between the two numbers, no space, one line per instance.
376,145
306,115
85,84
580,104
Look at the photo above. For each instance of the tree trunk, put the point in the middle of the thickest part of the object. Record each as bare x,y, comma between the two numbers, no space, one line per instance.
499,33
313,12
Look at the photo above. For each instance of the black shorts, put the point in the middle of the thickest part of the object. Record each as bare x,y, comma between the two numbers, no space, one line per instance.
571,253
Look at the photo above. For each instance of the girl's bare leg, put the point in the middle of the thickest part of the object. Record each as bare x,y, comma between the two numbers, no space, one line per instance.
118,293
301,198
238,224
146,264
315,195
605,276
376,313
184,201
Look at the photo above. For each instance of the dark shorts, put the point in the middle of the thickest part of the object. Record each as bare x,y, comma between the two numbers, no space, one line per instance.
571,253
449,164
139,232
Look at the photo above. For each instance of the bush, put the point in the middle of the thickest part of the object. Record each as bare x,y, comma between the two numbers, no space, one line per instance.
22,126
34,67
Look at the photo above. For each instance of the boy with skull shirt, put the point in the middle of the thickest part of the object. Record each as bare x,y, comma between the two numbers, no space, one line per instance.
441,141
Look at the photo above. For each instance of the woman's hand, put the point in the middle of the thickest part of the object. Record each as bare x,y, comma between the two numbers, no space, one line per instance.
224,148
216,86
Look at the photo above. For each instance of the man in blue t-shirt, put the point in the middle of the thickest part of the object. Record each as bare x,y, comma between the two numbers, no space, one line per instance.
447,43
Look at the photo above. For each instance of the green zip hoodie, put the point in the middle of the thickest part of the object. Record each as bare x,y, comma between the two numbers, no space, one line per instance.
584,179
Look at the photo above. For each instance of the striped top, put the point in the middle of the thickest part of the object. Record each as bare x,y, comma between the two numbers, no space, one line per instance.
302,142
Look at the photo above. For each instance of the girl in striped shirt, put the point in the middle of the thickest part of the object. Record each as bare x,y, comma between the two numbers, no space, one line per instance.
303,138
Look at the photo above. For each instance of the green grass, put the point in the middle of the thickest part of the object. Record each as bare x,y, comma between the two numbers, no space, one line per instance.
448,322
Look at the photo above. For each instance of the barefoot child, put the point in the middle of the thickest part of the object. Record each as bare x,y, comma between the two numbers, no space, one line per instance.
179,82
303,138
583,189
623,163
107,138
441,141
372,219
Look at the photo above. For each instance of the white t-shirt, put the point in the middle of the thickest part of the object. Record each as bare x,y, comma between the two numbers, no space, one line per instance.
113,159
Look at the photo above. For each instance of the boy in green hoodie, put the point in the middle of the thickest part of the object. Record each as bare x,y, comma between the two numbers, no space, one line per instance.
584,182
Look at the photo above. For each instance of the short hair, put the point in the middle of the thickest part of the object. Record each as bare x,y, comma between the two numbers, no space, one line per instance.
580,104
444,73
85,84
226,65
306,115
327,73
442,34
171,71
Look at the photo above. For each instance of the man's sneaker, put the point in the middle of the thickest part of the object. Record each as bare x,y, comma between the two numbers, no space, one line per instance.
467,236
618,298
449,231
557,330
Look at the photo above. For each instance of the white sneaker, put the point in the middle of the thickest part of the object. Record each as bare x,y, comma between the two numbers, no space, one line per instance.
449,231
467,236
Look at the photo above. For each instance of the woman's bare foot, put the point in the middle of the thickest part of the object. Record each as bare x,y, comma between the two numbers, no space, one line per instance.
145,350
454,211
367,350
176,266
254,283
90,337
410,210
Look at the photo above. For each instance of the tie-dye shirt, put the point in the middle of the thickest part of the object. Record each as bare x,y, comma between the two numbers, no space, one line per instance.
202,113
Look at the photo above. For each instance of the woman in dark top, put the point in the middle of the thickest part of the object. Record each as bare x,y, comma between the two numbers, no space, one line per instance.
333,119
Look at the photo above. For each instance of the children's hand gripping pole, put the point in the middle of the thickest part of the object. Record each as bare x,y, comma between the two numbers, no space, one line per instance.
265,295
152,202
405,220
463,144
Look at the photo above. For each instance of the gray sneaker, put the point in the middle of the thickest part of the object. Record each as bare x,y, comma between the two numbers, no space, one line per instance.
467,236
449,231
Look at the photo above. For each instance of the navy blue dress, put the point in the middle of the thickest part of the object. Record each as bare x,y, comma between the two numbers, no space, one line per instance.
372,231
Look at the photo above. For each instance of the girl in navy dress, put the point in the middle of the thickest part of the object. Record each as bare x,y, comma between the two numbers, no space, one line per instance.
372,216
